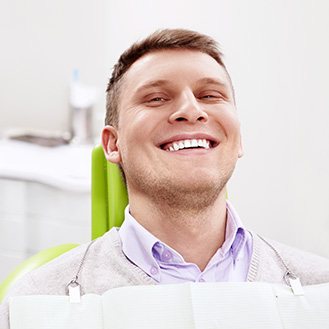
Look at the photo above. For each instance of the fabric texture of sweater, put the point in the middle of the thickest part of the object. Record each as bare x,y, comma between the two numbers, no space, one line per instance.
106,267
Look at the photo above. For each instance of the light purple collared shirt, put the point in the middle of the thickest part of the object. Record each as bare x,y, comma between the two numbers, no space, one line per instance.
165,265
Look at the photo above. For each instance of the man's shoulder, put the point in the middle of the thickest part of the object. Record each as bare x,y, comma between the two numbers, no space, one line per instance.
102,265
309,267
52,277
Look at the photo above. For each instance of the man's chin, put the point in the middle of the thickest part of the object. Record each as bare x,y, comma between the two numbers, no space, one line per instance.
196,185
175,188
189,194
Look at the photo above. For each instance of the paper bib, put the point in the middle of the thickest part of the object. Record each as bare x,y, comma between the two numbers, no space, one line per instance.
226,305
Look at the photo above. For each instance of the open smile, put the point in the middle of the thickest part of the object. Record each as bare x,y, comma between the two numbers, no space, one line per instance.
178,143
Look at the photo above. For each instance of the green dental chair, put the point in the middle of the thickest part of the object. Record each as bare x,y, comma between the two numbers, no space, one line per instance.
108,201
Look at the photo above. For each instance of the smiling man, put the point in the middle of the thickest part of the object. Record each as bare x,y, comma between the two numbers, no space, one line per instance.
172,127
177,139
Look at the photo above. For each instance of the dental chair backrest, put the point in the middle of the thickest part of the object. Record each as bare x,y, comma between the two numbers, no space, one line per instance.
108,194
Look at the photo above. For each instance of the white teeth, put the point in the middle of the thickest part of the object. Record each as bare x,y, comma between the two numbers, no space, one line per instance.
194,143
189,143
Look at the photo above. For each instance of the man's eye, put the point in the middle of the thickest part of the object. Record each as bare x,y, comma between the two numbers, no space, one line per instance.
213,96
209,96
157,99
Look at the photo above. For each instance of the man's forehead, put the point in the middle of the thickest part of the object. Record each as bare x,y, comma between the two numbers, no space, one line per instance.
152,68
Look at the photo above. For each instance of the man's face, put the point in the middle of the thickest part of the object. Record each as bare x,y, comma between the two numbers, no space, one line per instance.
178,126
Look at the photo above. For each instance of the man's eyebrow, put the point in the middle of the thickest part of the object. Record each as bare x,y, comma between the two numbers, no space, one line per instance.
152,84
213,81
164,82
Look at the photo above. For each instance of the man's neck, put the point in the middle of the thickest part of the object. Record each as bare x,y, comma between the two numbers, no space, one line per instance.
196,235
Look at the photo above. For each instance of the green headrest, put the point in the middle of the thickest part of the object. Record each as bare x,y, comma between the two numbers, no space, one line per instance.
108,194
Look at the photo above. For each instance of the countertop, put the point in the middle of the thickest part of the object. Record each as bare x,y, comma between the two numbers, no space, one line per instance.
66,167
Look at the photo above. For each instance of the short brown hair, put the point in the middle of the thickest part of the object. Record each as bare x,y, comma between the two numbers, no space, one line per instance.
162,39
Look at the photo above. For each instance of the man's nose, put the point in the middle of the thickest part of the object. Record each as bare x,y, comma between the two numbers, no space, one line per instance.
188,109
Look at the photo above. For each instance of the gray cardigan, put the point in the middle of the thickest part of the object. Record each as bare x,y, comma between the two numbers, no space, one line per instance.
106,267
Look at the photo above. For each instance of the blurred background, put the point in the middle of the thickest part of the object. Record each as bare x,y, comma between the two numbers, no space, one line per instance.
55,61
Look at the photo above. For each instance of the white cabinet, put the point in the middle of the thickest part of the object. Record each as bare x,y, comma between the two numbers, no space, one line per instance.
36,214
13,247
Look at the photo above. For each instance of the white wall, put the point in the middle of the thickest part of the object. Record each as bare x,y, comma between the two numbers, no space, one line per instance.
42,42
280,68
277,52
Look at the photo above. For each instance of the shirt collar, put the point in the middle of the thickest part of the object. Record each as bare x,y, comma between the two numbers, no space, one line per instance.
235,234
137,244
146,251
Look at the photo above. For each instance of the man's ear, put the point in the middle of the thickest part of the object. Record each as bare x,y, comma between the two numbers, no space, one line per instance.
110,144
240,153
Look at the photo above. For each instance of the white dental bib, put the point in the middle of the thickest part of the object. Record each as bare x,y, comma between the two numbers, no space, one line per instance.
227,305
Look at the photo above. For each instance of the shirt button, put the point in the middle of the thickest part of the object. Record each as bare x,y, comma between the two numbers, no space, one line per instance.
154,270
167,255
